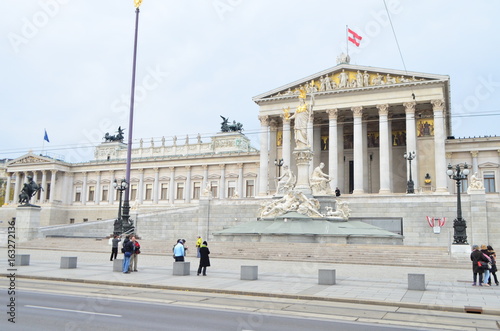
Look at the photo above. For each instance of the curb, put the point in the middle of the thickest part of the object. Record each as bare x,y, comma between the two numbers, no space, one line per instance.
456,309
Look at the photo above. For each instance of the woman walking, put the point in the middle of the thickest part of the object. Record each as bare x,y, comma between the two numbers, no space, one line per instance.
204,259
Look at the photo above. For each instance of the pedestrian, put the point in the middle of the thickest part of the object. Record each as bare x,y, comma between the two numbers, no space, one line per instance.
135,254
477,256
486,255
179,251
494,269
204,259
114,247
199,241
128,249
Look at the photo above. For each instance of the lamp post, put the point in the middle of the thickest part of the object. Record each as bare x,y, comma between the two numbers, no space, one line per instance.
279,164
459,226
120,187
410,188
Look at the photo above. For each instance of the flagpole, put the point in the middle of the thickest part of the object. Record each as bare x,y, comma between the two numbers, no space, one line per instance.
347,39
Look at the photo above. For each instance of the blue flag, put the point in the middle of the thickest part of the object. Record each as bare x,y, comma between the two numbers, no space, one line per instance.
46,137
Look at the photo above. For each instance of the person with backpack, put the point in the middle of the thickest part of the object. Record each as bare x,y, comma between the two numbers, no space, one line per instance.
135,254
128,250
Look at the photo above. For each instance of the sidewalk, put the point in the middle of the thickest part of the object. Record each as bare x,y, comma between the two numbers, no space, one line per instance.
446,289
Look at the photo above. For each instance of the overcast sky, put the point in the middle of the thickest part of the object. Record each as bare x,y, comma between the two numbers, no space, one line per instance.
67,64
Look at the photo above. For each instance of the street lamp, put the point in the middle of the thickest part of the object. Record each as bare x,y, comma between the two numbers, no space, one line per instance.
410,186
279,164
459,226
120,187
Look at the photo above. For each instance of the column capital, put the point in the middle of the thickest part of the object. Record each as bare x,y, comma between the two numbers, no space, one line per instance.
240,165
222,166
204,166
172,169
156,170
449,155
410,107
188,167
332,113
474,153
383,109
438,104
98,172
357,111
264,120
273,124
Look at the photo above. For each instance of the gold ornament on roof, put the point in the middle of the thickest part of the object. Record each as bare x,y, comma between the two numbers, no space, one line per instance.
137,3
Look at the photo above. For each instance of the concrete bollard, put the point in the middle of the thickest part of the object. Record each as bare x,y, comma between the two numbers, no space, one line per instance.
249,272
416,282
181,268
118,265
22,259
68,262
326,277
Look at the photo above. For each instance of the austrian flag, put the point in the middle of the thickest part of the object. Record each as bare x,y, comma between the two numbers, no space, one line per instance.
355,38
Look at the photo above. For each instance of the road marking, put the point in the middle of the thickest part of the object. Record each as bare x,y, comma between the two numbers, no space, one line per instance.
73,311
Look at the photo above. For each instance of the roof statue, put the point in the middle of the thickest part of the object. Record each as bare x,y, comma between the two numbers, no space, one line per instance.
233,127
343,58
118,137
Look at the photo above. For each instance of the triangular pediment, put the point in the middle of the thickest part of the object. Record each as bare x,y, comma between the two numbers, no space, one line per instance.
488,165
349,77
30,159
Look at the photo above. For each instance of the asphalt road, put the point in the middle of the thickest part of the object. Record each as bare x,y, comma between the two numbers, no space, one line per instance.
49,310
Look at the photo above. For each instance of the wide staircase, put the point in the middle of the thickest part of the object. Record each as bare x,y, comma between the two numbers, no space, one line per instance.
397,255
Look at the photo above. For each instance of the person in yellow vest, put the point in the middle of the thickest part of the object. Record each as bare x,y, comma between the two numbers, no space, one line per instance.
198,245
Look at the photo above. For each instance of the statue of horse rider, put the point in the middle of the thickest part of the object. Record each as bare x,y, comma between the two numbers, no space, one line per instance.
29,190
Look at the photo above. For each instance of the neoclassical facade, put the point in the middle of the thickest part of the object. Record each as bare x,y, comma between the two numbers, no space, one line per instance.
363,120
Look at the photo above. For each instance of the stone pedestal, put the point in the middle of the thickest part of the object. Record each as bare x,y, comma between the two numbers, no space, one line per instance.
22,259
27,222
461,251
416,282
181,268
303,158
68,262
249,272
326,277
118,265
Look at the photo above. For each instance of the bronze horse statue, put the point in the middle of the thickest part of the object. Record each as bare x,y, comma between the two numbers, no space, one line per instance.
29,190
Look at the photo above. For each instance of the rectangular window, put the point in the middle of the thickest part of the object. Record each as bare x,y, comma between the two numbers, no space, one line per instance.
164,191
249,189
104,193
231,188
180,191
133,192
78,194
91,193
149,191
196,190
214,188
489,182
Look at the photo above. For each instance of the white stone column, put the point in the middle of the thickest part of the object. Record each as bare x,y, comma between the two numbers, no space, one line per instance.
333,161
287,141
17,186
411,140
7,187
358,150
187,196
366,159
53,174
97,197
205,177
384,145
172,184
84,189
264,155
111,189
240,179
43,196
475,165
340,155
316,144
273,153
222,194
156,185
140,190
310,141
439,146
35,179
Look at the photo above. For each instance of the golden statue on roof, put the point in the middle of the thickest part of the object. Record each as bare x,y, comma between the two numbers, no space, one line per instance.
137,3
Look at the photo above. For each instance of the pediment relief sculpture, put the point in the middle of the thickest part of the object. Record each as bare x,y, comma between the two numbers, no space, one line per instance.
29,159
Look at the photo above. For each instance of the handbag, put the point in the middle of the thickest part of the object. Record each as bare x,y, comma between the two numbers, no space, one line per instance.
484,265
